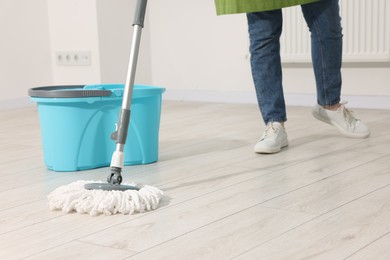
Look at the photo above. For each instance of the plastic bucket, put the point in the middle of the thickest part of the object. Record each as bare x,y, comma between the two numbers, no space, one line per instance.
77,122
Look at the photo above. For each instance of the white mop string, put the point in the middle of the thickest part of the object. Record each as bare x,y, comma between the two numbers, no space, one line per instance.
74,197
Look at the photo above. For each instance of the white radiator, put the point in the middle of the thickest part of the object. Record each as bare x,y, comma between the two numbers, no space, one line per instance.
366,30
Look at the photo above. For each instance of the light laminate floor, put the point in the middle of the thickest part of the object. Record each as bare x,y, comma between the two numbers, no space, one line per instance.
324,197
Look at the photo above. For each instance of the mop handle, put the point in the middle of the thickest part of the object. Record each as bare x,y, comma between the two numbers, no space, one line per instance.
120,136
138,24
140,10
124,117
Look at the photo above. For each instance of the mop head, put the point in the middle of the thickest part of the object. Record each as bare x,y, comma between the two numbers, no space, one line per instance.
74,197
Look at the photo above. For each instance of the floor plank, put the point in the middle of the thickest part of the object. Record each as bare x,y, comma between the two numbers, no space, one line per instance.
378,249
334,235
229,236
81,250
327,192
336,190
202,210
54,232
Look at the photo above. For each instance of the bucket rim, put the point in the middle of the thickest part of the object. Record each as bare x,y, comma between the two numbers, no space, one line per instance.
67,91
90,93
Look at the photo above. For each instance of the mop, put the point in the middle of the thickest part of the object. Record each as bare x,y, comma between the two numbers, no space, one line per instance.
112,197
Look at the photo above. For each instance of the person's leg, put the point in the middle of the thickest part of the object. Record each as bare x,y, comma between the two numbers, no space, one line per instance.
265,29
324,22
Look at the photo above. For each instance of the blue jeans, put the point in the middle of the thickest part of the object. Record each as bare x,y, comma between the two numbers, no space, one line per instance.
265,28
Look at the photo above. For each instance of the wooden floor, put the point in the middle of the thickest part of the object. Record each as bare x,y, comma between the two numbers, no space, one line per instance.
324,197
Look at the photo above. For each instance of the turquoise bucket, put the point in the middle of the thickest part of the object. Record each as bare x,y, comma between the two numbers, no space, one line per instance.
77,122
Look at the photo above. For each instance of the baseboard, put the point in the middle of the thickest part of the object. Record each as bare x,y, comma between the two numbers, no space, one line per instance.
365,102
15,103
211,96
238,97
249,97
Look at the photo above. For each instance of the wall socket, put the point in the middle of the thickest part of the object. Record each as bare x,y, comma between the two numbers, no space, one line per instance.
73,58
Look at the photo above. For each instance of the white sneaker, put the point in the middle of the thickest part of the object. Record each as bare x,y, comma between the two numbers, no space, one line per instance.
273,140
343,119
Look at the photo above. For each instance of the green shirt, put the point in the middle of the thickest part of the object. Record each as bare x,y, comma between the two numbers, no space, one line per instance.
251,6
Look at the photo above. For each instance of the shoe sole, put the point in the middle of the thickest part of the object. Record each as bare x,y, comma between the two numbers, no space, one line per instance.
271,150
346,133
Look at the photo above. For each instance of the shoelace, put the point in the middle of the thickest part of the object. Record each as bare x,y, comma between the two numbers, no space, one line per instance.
348,114
269,131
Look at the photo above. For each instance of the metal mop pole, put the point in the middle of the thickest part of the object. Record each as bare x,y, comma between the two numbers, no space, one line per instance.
114,179
117,162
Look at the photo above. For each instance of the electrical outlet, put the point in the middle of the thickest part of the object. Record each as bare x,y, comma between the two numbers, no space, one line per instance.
73,58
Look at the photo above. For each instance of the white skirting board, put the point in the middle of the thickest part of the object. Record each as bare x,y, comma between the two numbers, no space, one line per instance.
239,97
15,103
249,97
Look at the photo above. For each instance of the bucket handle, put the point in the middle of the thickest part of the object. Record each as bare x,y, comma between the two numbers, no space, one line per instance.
74,91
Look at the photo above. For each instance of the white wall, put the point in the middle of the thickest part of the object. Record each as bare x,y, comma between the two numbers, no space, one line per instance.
185,47
34,31
198,55
24,50
73,27
193,49
103,28
115,31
